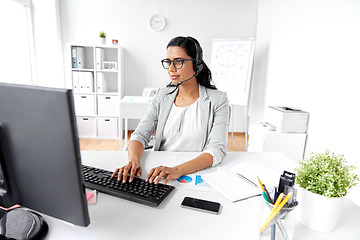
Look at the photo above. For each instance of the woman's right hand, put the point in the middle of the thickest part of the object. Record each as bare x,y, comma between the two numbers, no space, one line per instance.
132,167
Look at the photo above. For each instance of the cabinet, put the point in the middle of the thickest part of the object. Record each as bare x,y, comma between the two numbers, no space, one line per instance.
263,139
96,73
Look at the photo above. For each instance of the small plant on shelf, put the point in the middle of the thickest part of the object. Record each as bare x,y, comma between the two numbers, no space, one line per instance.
102,34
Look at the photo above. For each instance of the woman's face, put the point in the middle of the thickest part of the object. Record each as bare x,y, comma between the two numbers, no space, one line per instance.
178,75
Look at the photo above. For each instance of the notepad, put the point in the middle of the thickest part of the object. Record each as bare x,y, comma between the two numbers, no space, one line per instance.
235,187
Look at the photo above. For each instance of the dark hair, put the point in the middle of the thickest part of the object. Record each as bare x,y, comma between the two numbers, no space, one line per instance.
193,49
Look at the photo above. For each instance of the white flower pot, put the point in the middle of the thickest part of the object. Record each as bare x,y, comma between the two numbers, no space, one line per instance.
102,40
318,212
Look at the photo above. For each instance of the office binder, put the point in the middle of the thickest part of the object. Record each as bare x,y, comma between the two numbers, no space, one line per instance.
80,53
101,82
81,82
74,57
75,81
99,57
88,82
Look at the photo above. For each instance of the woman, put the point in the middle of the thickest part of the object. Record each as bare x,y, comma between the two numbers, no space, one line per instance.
188,115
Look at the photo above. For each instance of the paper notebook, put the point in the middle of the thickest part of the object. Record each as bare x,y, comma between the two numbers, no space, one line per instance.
234,184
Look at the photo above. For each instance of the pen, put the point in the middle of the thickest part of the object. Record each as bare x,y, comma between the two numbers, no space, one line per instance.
248,180
276,204
273,227
263,190
267,194
278,200
276,211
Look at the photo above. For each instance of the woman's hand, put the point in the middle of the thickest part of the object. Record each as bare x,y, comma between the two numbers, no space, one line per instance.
132,167
169,173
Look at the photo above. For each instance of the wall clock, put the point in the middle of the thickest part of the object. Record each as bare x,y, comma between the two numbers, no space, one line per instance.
157,22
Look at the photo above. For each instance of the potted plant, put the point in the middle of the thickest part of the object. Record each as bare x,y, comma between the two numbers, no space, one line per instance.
102,37
324,180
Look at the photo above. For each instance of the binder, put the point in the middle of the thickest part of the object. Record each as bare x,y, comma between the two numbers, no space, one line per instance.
88,82
75,81
99,57
74,57
101,82
81,82
80,53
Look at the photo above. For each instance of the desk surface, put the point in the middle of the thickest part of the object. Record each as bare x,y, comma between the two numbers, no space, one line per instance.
115,218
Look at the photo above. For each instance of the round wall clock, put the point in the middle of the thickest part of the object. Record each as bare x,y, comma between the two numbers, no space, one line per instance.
157,22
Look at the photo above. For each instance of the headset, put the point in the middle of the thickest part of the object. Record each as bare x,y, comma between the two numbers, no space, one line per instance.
198,66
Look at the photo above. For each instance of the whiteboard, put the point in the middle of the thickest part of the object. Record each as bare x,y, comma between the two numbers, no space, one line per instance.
231,67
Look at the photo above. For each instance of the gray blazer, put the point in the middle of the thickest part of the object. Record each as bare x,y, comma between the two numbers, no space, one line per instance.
214,112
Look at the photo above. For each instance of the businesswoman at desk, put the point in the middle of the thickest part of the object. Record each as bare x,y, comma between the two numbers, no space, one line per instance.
188,115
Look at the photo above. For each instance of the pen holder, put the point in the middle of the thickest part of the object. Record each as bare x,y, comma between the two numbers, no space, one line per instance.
281,226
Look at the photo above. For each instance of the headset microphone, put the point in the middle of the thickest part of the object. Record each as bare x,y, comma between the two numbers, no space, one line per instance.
197,73
200,67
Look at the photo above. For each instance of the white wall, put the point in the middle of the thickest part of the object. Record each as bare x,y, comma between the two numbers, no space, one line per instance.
306,52
127,21
307,57
48,43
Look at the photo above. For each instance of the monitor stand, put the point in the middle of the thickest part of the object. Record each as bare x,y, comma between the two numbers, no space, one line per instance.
8,191
15,221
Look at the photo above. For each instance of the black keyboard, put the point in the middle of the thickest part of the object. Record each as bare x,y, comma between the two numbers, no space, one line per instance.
137,191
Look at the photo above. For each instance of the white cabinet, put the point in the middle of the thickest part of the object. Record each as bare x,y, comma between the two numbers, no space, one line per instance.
107,127
291,145
86,126
108,105
84,105
96,78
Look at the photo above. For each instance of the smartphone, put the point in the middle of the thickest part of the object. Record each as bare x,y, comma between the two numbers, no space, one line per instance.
201,205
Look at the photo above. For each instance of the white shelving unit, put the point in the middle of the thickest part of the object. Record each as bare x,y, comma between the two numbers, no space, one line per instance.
97,81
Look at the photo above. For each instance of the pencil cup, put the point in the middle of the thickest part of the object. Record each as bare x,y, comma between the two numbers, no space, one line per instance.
280,227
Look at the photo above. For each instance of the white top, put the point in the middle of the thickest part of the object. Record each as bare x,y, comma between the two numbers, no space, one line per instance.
182,131
214,112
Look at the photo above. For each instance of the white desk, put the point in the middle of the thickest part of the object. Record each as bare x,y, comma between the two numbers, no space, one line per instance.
132,107
115,218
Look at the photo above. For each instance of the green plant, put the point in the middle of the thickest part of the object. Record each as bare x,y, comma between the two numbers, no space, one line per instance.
102,34
326,174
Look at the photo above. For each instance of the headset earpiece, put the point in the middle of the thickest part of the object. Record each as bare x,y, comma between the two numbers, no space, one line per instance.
198,66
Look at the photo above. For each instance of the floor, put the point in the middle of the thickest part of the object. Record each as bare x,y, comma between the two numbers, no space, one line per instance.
235,143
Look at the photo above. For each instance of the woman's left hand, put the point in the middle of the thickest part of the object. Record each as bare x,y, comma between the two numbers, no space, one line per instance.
169,173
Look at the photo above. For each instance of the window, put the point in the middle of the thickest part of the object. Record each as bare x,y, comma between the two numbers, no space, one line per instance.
16,42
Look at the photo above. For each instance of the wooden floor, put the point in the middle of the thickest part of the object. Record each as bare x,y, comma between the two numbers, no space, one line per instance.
236,143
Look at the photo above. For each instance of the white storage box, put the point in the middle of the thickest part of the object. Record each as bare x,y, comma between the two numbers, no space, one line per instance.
107,127
262,139
86,126
84,105
108,105
287,120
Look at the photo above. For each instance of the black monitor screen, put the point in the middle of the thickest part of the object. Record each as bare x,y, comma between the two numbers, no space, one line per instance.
41,146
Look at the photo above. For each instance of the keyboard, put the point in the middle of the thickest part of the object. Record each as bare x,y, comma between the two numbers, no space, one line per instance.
137,191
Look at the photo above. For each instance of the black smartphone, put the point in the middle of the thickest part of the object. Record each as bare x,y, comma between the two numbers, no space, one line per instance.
201,205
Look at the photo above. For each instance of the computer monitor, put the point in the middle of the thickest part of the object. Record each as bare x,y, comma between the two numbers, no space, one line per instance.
40,155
